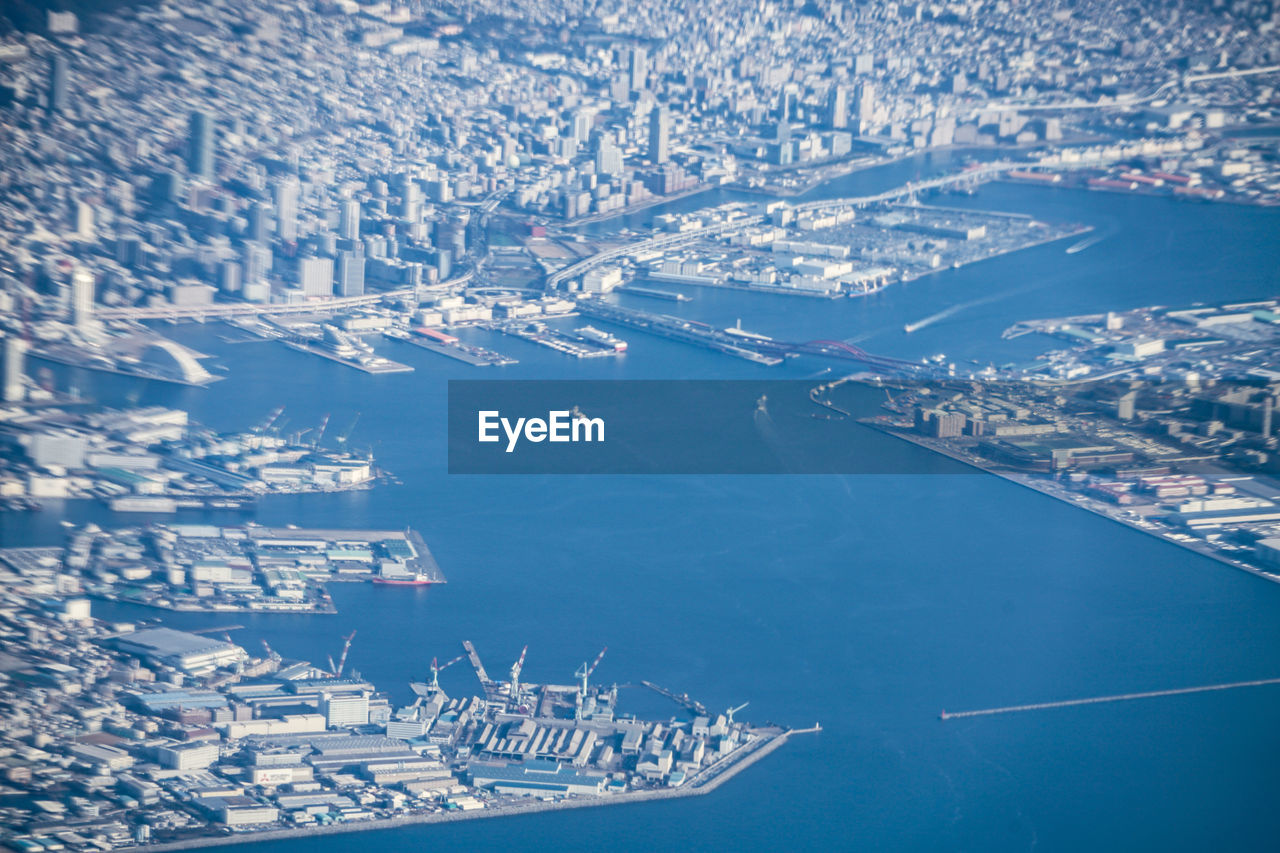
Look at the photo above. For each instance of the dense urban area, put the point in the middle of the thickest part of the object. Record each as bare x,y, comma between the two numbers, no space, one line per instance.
342,178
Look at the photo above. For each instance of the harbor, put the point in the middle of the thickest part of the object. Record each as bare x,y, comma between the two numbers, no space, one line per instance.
208,743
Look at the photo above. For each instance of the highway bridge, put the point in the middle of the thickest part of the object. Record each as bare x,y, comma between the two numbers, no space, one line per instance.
227,310
664,241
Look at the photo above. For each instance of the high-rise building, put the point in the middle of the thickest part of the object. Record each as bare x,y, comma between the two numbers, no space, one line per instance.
315,276
659,135
866,101
85,221
200,145
257,263
608,156
58,82
789,102
230,275
581,125
349,220
639,70
259,221
82,298
410,199
350,273
286,198
838,108
12,372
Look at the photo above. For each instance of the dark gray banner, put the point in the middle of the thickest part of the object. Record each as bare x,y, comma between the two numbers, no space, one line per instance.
676,427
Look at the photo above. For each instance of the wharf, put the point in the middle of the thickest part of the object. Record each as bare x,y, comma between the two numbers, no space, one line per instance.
707,780
558,341
466,353
1051,489
376,365
674,328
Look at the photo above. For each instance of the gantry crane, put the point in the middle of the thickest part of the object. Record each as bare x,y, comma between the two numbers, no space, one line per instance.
729,713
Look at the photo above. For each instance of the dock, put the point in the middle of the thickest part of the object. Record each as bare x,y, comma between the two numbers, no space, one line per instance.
375,365
676,329
466,353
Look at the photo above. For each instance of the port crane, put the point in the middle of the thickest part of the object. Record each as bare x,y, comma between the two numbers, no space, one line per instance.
584,671
426,691
729,713
272,654
436,670
336,669
324,423
342,437
269,421
515,673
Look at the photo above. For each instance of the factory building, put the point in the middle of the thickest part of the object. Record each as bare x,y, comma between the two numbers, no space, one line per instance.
187,652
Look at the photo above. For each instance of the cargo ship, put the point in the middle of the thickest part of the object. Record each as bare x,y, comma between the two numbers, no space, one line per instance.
411,580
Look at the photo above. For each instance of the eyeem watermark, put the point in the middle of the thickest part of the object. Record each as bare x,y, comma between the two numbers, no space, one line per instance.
560,425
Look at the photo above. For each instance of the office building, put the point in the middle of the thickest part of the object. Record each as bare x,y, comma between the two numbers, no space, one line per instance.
659,135
286,199
82,297
350,273
200,145
315,276
349,220
58,83
838,108
14,353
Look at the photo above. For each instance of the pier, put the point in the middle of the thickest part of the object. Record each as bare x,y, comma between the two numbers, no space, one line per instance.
1097,700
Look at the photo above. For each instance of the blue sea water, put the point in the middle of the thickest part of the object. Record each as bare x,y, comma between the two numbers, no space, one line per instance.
869,603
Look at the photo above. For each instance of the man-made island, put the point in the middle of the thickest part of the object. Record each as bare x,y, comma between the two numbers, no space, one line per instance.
121,735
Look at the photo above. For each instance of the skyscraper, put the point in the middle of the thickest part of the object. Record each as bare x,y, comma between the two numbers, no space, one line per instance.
257,263
659,134
258,222
866,101
350,273
14,355
58,73
410,198
200,145
608,156
639,70
838,108
82,298
286,196
349,220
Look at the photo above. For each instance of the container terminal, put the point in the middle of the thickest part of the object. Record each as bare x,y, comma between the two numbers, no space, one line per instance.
138,735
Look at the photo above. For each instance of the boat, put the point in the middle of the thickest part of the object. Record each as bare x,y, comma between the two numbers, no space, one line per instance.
591,333
415,580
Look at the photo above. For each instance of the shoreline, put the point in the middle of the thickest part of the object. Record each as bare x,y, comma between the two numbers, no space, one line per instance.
690,789
1031,483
